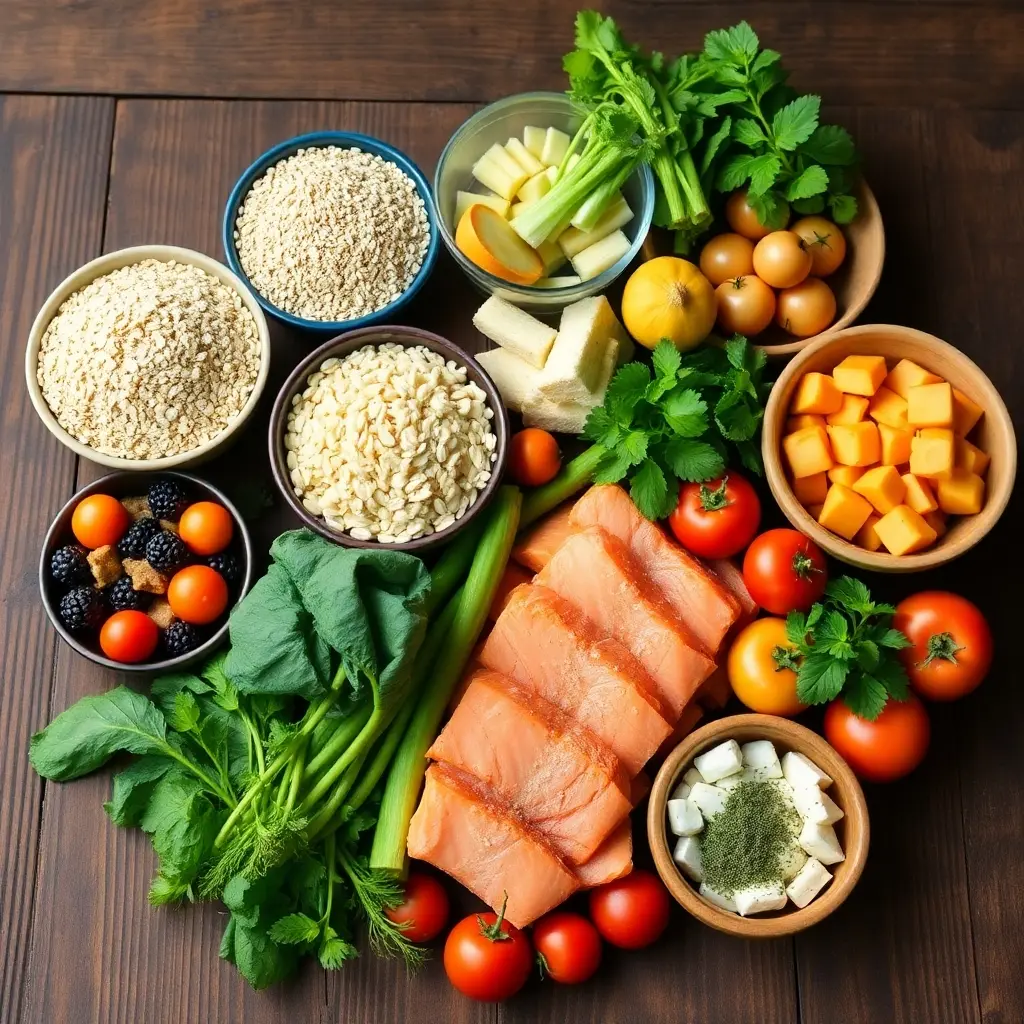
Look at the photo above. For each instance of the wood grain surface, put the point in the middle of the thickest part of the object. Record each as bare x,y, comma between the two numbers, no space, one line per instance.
934,94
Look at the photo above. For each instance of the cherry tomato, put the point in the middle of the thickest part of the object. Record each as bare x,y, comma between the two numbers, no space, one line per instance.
726,256
952,644
533,457
780,259
98,520
743,219
717,519
824,241
630,912
805,309
197,594
888,748
568,947
761,668
486,958
746,305
424,911
129,636
784,571
206,527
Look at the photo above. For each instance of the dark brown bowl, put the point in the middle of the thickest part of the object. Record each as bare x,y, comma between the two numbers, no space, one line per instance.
343,345
124,485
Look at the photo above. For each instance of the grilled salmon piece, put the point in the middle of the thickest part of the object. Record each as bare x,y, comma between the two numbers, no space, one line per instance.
613,859
731,576
541,541
697,596
596,572
513,576
460,829
539,761
543,643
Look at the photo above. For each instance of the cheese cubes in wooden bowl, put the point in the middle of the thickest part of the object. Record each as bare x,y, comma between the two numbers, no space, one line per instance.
889,447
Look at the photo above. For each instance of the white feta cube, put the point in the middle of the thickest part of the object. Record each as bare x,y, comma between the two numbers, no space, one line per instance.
760,757
822,842
730,782
687,857
684,818
682,790
791,862
813,877
758,899
815,805
692,777
720,761
802,771
710,800
717,898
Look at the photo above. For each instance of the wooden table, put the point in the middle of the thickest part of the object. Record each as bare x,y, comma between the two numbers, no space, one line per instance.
123,123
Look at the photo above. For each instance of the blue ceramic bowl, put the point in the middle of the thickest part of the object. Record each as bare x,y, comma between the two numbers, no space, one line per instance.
351,140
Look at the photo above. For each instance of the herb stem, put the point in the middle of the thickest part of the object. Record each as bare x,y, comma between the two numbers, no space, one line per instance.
213,786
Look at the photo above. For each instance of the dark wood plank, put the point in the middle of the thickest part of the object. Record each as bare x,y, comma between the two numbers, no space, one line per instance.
53,170
924,53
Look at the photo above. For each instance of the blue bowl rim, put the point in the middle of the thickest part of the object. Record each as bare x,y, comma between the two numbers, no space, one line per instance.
350,140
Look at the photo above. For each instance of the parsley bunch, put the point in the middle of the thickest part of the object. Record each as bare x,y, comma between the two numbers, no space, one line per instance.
847,646
683,420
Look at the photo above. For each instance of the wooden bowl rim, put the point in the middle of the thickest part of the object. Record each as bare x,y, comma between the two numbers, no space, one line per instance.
845,789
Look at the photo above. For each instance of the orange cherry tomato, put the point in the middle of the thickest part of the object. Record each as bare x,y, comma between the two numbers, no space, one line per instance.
760,666
98,520
197,594
746,305
781,260
206,527
824,241
884,750
129,636
533,457
805,309
742,217
726,256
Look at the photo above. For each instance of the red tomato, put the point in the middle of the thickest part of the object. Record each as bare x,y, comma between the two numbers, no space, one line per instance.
533,457
486,958
717,519
129,636
784,571
206,527
952,644
424,911
888,748
197,594
631,912
568,947
99,519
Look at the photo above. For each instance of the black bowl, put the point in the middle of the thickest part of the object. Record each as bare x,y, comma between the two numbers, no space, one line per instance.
123,485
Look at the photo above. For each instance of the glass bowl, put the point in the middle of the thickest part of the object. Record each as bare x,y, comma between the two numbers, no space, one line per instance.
497,123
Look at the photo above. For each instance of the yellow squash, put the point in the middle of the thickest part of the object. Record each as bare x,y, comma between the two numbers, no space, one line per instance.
668,298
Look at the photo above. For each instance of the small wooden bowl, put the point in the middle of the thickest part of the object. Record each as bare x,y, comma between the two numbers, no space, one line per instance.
994,435
853,829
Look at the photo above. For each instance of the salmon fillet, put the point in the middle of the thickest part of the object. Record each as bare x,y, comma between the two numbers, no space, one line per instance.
537,760
544,644
691,715
596,572
613,859
460,830
540,542
732,577
697,596
715,691
513,576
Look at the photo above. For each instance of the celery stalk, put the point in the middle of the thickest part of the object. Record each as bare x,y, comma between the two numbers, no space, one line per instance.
574,476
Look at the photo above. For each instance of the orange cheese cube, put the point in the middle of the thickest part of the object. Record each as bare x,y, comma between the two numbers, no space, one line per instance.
930,405
970,457
931,453
888,407
937,521
965,413
903,531
961,493
814,511
845,475
895,444
855,444
883,487
816,393
906,374
851,411
795,423
867,536
808,452
811,490
844,511
919,494
860,375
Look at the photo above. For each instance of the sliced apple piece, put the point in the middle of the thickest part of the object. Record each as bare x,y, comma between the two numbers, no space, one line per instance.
597,258
537,186
563,281
572,240
555,145
493,173
523,157
551,256
533,140
486,238
464,200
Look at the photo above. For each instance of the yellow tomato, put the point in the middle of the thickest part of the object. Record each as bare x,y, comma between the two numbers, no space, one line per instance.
757,669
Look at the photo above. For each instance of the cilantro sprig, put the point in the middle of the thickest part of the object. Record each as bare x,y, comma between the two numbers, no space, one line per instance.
685,417
847,646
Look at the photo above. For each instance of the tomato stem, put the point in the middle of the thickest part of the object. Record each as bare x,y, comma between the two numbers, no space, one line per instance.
542,965
941,646
714,500
803,565
785,657
494,931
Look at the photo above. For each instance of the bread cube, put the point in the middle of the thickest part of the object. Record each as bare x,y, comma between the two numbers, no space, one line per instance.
919,494
970,457
844,511
930,405
904,531
931,453
105,565
845,475
966,413
883,487
860,375
816,393
937,521
811,490
867,536
906,374
888,407
895,444
795,423
807,451
962,493
852,410
855,444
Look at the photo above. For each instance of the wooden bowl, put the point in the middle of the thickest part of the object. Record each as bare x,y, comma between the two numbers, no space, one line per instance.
994,435
853,829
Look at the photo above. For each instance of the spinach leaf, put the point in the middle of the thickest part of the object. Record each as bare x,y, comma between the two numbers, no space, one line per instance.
255,906
133,788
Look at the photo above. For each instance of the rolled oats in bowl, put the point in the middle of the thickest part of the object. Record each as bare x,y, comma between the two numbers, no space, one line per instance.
390,442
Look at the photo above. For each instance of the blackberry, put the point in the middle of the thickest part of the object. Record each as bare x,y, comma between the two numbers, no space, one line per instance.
227,565
81,609
180,638
122,596
69,567
166,551
133,543
166,500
